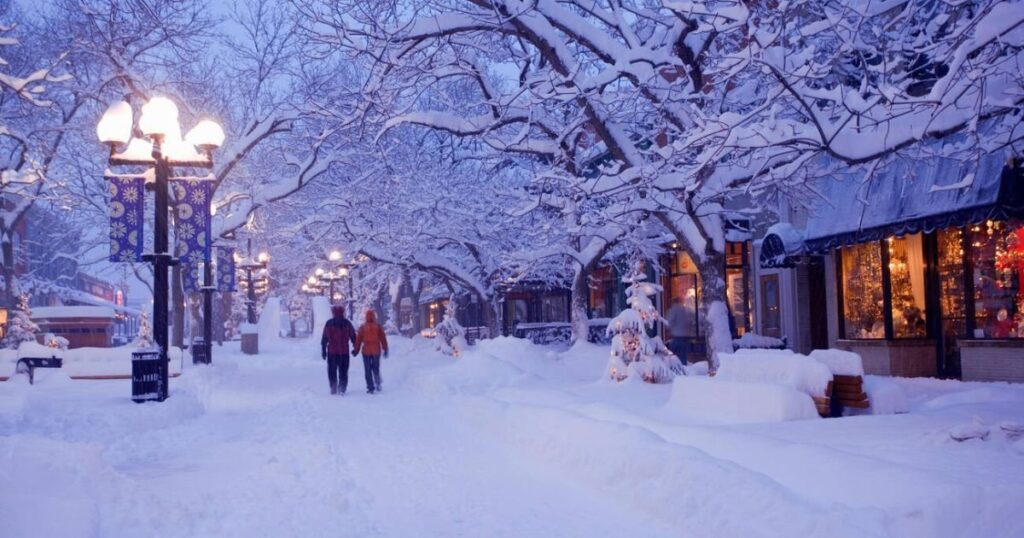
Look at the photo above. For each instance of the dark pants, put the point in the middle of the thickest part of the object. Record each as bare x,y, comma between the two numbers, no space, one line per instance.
337,372
371,364
681,347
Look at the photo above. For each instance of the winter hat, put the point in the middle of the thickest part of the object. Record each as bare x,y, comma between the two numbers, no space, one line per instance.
338,311
371,316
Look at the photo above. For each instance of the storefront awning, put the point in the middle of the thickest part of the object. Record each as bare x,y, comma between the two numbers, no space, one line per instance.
914,196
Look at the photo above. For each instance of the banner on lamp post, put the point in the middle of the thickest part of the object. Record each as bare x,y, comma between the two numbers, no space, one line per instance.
127,214
225,269
192,227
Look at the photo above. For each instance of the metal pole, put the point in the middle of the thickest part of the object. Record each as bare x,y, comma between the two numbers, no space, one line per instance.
161,263
350,313
208,288
332,290
251,303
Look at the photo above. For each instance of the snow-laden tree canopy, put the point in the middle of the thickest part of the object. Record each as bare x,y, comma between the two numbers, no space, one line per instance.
674,109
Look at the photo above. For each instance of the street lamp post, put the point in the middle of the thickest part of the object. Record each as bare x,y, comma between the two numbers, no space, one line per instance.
250,264
208,288
164,149
343,270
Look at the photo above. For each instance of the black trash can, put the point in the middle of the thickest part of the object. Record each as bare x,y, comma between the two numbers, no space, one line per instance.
147,376
199,352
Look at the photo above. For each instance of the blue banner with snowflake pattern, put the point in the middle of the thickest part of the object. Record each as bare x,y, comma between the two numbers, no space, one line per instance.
192,227
127,214
226,269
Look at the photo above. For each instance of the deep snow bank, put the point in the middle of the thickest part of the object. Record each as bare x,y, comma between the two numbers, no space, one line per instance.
735,402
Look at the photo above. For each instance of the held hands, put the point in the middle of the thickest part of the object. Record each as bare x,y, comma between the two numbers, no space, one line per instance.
323,355
385,353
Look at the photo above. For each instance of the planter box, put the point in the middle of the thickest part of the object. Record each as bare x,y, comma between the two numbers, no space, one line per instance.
992,360
900,358
251,344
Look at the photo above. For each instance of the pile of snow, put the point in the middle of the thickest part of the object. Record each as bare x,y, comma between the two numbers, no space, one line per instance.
83,361
885,396
269,326
775,367
736,402
757,341
839,362
321,313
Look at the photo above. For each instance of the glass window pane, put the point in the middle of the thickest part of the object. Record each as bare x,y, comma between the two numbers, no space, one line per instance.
906,273
771,318
736,293
997,250
862,291
554,308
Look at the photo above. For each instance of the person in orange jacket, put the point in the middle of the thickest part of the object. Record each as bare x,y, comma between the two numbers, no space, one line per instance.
371,341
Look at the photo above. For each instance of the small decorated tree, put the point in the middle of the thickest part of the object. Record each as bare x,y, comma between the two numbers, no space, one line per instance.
634,352
21,328
451,337
145,337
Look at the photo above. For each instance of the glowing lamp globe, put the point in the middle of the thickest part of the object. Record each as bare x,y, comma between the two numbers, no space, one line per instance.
311,280
206,135
343,272
334,256
159,117
263,257
115,127
319,272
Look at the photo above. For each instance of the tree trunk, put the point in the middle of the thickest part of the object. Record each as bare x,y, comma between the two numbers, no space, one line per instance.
8,269
417,325
489,308
714,306
578,307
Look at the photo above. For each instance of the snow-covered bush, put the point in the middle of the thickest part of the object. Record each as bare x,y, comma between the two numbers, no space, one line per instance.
634,352
451,337
20,328
57,342
145,336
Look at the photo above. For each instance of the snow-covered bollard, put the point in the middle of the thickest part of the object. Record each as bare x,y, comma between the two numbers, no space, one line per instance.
634,352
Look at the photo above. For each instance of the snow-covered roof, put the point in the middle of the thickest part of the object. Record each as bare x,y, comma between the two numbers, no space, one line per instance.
62,312
908,196
90,299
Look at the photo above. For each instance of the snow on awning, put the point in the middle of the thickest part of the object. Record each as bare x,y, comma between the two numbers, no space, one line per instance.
782,243
913,196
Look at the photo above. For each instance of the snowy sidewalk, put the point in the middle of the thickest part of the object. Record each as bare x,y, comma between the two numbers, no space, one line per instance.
505,441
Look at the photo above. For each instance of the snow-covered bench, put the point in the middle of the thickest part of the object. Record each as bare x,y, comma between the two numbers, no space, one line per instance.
847,376
28,365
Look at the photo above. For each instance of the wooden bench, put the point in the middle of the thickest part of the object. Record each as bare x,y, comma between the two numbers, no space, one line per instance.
28,365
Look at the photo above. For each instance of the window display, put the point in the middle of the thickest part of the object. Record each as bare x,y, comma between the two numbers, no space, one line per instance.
862,291
601,287
906,273
997,256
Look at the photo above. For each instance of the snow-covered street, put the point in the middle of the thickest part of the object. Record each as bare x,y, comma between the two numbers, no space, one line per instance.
510,439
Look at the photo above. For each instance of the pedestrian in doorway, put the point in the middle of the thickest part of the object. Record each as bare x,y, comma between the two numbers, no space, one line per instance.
371,341
680,319
338,333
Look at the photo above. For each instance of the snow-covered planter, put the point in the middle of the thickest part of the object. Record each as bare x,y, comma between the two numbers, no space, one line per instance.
634,352
775,367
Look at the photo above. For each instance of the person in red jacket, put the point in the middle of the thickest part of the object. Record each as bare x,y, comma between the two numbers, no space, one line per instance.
338,332
370,341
